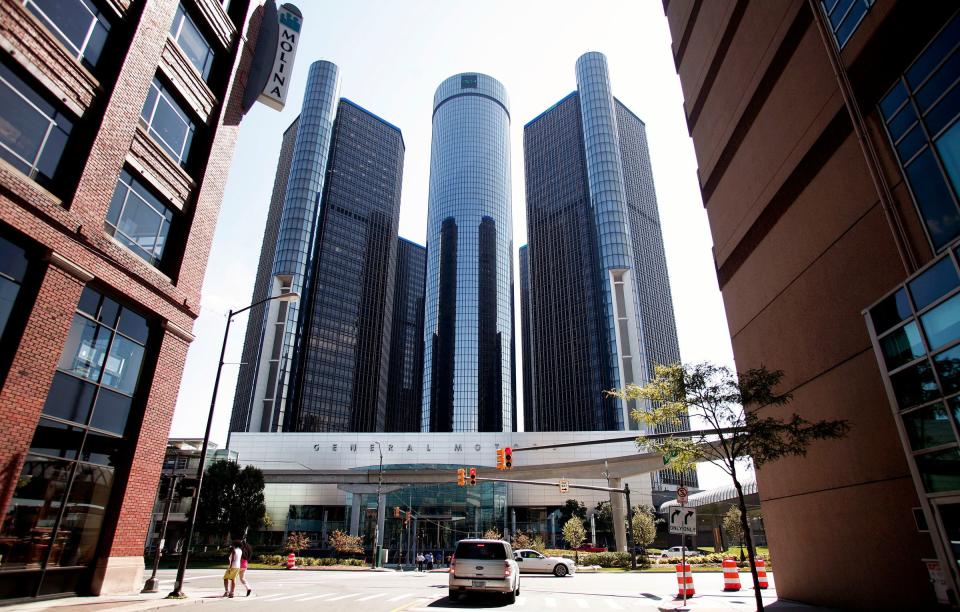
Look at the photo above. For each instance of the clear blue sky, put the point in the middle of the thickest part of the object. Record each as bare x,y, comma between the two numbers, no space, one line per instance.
392,55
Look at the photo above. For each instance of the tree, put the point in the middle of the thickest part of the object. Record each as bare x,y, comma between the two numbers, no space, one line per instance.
492,534
574,534
297,541
572,508
733,526
231,500
644,527
735,412
520,540
343,543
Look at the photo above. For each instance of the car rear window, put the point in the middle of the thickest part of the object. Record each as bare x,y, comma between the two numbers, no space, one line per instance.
485,551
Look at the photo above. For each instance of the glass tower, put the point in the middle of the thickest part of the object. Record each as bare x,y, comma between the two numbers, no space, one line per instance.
405,384
468,321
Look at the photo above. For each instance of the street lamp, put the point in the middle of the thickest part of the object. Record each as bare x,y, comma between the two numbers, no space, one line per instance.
177,591
376,523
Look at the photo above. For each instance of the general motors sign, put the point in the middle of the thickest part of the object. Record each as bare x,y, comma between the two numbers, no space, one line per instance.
276,49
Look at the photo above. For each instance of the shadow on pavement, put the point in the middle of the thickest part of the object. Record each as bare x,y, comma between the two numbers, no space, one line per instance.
474,600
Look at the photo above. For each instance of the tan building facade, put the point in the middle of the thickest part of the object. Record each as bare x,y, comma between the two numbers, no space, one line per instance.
824,133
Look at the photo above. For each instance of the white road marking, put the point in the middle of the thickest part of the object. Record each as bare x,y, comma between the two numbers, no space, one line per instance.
613,604
550,602
317,596
344,596
282,596
374,596
581,603
404,596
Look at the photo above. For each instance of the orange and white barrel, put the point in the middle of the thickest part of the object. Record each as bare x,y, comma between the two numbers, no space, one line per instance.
731,575
291,560
762,573
684,580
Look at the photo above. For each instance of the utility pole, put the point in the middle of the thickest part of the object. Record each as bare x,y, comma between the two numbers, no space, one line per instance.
376,526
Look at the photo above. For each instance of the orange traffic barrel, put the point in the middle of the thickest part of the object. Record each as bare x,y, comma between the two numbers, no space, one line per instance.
684,580
731,575
291,560
762,573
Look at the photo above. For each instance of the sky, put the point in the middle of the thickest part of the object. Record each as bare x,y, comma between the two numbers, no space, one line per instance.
392,56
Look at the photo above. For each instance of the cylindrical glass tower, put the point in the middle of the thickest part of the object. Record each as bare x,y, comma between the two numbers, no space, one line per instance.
468,321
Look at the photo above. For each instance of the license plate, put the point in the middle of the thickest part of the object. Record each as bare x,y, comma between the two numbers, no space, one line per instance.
479,583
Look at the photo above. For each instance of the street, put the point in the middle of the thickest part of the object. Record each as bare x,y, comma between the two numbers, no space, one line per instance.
388,591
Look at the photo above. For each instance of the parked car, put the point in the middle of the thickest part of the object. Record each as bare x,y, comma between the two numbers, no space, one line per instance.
532,562
677,551
590,548
484,566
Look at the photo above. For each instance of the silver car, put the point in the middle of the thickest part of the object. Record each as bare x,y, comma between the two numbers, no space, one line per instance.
484,566
532,562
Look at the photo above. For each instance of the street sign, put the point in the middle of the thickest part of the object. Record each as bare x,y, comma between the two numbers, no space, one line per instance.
682,521
564,485
682,496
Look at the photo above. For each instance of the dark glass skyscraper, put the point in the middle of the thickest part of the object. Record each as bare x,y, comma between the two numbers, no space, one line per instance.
405,381
599,310
468,325
322,364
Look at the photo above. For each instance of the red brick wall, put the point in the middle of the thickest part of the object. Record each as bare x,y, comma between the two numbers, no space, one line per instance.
25,390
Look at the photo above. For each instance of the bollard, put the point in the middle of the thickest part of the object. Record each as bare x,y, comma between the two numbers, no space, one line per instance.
731,575
684,580
762,573
291,560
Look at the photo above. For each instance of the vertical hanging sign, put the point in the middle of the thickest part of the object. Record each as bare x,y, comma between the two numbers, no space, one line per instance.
272,65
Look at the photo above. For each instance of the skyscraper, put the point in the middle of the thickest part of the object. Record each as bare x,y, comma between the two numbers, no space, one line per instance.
322,364
600,311
468,325
405,381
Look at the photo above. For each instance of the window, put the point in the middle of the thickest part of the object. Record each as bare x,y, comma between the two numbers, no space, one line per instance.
33,132
920,112
62,493
13,269
167,122
193,44
138,219
78,24
844,17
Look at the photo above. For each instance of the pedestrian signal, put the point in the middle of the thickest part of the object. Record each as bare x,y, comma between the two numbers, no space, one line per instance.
461,477
473,477
501,464
508,458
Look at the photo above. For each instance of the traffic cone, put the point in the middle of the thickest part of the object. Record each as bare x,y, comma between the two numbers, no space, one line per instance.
684,580
762,573
731,575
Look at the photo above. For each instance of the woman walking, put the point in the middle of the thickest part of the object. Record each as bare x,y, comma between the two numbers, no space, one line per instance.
246,555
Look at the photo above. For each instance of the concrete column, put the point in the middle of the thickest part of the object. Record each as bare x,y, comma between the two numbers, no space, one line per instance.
355,515
618,511
381,514
323,528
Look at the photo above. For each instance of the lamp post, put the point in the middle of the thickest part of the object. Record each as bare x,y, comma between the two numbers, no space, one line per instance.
177,591
376,524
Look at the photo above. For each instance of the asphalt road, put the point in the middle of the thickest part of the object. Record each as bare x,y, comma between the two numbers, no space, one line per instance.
395,591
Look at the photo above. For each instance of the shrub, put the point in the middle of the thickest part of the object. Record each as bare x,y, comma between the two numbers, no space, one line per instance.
606,559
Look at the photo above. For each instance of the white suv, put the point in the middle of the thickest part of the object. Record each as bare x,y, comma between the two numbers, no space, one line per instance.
485,566
677,551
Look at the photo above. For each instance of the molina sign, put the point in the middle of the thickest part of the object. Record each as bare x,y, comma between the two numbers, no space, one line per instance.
272,64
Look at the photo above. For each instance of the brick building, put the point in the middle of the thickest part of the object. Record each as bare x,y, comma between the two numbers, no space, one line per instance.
827,138
118,120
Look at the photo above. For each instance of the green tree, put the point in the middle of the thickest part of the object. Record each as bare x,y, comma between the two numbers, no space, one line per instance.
603,519
644,527
344,543
574,534
734,526
572,508
296,541
735,412
231,500
520,540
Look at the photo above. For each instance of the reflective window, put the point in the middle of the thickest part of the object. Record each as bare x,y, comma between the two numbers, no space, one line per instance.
167,122
891,311
33,131
935,281
844,16
138,219
914,385
948,368
13,268
78,24
192,42
950,515
902,346
942,324
928,427
940,470
920,112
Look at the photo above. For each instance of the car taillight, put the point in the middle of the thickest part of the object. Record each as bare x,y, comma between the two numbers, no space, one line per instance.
506,569
453,563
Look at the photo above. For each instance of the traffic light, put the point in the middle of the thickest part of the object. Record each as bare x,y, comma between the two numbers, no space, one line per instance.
473,477
508,458
461,477
396,512
500,463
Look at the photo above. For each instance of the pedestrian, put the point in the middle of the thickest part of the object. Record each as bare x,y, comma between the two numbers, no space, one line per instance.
230,576
420,559
244,561
429,561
